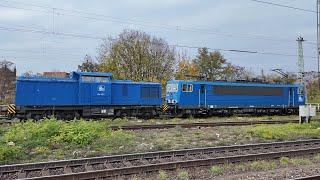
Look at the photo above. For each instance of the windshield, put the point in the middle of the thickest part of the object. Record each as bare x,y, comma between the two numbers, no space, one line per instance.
172,87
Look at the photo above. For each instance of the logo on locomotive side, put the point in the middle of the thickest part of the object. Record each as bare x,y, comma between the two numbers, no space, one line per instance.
101,88
300,99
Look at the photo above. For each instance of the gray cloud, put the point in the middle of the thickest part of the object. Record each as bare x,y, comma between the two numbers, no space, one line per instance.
243,19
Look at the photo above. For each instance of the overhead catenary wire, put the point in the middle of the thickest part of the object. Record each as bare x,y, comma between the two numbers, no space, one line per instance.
172,45
285,6
37,59
41,52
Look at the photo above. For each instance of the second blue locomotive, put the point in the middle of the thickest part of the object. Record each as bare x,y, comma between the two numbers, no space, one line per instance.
227,98
99,95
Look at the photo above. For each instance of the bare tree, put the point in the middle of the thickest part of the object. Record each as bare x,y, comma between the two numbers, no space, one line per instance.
7,81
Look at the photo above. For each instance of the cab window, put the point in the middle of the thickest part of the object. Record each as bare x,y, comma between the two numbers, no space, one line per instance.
97,79
172,87
187,87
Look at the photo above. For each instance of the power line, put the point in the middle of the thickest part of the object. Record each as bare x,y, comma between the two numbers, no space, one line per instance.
36,59
244,51
285,6
41,52
102,38
100,17
12,29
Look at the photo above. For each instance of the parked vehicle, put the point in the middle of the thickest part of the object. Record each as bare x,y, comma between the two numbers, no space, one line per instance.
86,95
200,97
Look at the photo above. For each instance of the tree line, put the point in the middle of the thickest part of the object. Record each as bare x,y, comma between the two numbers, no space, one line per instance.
142,57
139,56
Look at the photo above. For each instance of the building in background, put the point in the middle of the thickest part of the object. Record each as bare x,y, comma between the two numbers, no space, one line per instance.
56,74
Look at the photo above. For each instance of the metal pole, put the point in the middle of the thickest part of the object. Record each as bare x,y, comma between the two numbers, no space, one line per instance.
300,40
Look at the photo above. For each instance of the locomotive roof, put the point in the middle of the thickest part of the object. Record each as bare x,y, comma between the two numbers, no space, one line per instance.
100,74
73,79
235,83
133,82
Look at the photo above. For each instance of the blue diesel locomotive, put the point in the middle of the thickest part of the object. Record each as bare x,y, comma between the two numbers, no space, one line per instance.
99,95
86,95
209,98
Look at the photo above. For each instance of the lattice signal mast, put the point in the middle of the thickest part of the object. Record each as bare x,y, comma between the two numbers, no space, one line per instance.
300,40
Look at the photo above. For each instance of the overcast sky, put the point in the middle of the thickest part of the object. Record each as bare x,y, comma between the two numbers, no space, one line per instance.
26,28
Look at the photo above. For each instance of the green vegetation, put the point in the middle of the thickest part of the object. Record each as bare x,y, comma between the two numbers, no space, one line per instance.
286,131
317,157
52,139
183,175
163,175
262,165
216,170
300,162
284,161
313,92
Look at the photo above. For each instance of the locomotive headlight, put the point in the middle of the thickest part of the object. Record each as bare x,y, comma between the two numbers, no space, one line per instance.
171,101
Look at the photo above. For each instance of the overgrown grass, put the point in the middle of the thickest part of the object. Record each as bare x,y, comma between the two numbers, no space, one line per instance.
216,170
183,175
53,139
262,165
285,131
317,157
284,161
163,175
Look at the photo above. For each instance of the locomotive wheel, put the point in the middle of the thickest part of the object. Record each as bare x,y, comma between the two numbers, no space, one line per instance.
28,116
76,115
37,117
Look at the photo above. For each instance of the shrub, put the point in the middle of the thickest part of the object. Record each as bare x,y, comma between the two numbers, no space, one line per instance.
59,138
301,162
10,154
183,175
216,170
163,175
81,133
285,131
32,134
119,138
262,165
284,161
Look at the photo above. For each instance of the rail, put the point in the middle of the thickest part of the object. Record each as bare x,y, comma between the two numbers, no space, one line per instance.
122,165
192,125
315,177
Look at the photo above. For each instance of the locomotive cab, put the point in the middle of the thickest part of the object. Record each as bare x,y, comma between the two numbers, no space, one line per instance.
172,93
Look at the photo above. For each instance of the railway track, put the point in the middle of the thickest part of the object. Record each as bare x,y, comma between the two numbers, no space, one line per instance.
209,124
123,165
315,177
4,120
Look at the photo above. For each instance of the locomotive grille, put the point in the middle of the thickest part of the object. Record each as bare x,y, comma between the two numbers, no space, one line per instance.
251,91
165,107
